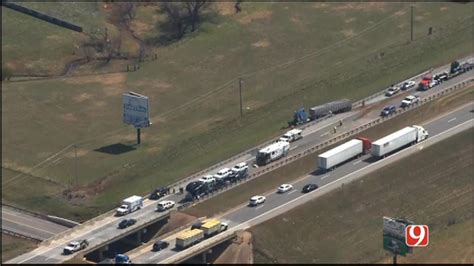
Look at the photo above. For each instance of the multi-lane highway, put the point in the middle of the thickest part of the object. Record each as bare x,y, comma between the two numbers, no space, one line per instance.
28,225
245,216
104,229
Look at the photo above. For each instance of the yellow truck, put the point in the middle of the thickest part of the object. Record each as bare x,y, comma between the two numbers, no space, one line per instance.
199,231
188,238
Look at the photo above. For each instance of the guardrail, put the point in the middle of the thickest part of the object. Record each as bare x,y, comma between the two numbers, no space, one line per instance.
359,103
14,234
331,141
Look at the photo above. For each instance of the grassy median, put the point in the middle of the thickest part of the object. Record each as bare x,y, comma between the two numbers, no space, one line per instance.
14,246
433,187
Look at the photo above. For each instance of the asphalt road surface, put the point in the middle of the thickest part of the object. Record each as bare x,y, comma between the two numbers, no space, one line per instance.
105,229
29,225
459,120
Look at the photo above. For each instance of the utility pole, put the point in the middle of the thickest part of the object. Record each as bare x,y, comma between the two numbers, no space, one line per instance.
240,93
75,162
395,259
411,36
138,135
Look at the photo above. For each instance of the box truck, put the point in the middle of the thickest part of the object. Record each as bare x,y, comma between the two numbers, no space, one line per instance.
130,204
344,152
272,152
210,227
292,135
397,140
188,238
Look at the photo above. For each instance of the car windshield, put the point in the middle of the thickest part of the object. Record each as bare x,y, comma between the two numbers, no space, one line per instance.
71,245
123,206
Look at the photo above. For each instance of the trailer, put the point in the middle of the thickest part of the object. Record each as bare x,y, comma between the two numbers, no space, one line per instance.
397,140
188,238
335,107
342,153
272,152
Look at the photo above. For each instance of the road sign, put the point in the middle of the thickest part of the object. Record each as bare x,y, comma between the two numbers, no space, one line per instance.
394,236
136,110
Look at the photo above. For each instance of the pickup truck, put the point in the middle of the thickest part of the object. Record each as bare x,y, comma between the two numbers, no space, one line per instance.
75,246
410,100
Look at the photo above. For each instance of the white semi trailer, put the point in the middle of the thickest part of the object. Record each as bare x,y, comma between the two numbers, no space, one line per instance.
328,160
397,140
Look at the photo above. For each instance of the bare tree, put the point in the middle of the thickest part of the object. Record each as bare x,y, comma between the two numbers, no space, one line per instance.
194,8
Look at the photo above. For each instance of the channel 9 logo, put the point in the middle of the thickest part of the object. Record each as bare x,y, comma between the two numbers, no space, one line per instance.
417,235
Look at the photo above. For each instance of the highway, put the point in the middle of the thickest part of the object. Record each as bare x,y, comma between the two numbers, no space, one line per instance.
244,216
104,229
28,225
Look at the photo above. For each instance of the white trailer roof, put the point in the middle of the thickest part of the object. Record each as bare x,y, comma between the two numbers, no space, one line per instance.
392,136
340,148
294,131
132,198
275,146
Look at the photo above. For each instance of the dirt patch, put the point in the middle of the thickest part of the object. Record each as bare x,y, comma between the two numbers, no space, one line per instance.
54,37
82,97
80,152
443,8
225,8
158,85
219,57
69,117
400,13
320,5
104,79
79,195
348,33
349,20
371,6
255,16
261,44
239,252
141,28
177,219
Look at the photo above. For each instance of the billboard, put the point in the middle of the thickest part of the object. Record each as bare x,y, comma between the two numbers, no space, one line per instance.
136,110
394,236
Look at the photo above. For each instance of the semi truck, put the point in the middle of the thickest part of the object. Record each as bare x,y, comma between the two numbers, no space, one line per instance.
188,238
302,117
210,227
398,140
342,153
426,82
130,204
272,152
335,107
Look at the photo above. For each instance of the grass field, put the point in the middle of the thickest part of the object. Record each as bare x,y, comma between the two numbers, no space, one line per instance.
346,224
13,246
286,59
305,165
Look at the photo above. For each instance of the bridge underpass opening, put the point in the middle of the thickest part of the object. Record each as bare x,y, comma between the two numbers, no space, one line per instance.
127,242
211,254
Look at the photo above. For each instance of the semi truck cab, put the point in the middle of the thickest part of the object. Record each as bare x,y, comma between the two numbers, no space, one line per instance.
421,133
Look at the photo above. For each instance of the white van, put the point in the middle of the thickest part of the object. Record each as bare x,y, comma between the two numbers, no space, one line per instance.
165,205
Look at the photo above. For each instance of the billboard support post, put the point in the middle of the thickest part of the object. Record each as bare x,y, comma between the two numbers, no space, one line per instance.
138,136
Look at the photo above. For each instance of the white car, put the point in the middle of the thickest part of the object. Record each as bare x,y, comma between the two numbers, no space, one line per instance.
165,205
207,179
284,188
256,200
409,100
408,84
223,173
392,91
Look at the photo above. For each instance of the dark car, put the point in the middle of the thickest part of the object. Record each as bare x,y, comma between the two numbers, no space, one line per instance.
309,187
158,193
441,77
126,223
159,245
388,110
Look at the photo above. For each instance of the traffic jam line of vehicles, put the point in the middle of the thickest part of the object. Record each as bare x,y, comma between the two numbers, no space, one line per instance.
326,162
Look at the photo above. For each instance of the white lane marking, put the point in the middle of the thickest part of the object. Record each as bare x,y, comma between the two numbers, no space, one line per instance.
292,191
259,207
326,176
451,120
324,134
357,162
27,225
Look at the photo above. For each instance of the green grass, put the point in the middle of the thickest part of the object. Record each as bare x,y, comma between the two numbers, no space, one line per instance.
305,165
194,97
346,224
13,247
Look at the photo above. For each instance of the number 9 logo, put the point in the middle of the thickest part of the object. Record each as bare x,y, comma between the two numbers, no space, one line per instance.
417,235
